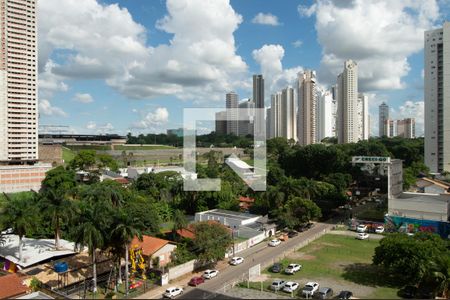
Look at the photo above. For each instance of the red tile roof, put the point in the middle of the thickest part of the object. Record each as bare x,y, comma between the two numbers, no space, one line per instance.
246,199
122,180
149,244
11,286
189,232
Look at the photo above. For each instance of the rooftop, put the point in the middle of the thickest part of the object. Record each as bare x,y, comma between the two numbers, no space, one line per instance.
230,214
149,244
12,285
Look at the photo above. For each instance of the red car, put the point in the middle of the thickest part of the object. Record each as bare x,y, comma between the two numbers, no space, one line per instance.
196,281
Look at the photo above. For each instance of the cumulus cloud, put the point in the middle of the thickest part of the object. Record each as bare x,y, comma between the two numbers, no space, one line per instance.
379,35
83,98
153,119
105,128
91,125
50,83
199,62
269,58
266,19
47,109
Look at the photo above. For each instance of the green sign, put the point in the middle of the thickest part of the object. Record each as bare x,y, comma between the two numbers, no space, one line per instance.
371,159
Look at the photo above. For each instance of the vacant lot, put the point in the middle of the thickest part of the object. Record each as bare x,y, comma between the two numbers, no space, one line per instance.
342,263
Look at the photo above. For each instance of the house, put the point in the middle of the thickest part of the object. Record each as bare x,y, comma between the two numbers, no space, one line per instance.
427,185
245,203
154,248
189,231
12,286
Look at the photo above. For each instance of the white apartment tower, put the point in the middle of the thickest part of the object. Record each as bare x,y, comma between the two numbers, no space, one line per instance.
288,114
363,117
232,100
347,96
437,99
326,115
383,115
275,115
18,81
307,105
258,98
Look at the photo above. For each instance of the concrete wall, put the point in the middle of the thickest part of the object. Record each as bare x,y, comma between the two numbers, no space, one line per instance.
51,154
24,178
181,270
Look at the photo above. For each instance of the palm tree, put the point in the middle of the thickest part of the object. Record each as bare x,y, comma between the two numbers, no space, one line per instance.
438,275
20,214
125,228
179,221
92,223
58,207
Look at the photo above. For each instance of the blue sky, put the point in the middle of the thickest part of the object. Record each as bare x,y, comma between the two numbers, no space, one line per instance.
133,65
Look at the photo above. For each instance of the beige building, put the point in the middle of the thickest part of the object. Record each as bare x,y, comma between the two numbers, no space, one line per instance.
347,98
22,177
18,81
307,106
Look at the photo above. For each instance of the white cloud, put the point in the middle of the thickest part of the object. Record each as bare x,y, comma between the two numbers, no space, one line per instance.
47,109
153,120
104,42
105,128
50,83
297,43
83,98
269,58
91,125
266,19
378,34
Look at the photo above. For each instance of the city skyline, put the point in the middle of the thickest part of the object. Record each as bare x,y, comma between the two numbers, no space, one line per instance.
78,77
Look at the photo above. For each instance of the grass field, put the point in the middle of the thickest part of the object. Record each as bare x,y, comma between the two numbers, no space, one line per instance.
143,147
67,155
340,262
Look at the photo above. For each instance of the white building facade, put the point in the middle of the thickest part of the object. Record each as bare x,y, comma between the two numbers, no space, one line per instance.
347,96
326,115
307,106
437,99
18,81
363,117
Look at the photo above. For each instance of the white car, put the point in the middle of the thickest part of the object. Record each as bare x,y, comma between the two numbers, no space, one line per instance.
173,292
277,284
236,260
208,274
379,229
361,228
309,289
290,286
362,236
274,242
292,268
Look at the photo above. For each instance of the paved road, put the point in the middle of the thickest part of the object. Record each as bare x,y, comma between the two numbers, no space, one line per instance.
260,253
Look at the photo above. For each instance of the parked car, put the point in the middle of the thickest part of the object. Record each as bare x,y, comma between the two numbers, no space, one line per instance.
236,260
309,289
292,268
361,228
208,274
325,293
344,295
196,281
362,236
379,229
277,267
277,285
274,242
292,234
173,292
290,286
409,292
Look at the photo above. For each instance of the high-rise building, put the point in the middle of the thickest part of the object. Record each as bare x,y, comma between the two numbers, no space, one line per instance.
347,116
288,114
390,128
363,117
326,115
307,105
258,97
437,99
269,122
275,116
247,111
383,115
221,122
406,128
232,100
18,81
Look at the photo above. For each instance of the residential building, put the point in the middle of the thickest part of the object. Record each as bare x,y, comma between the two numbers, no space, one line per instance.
288,114
247,111
326,115
363,117
258,91
12,286
307,104
21,178
406,128
154,248
269,122
437,98
232,100
349,130
221,123
18,81
390,128
383,115
275,117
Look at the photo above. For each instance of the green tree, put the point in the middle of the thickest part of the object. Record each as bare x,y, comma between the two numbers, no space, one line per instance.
59,180
212,241
20,214
298,211
85,160
179,221
107,161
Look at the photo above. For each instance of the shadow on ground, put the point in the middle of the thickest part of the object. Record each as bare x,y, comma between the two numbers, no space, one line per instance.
370,275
